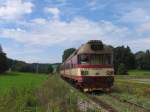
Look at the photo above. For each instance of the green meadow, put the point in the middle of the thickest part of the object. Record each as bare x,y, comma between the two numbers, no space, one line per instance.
135,74
20,81
134,87
29,92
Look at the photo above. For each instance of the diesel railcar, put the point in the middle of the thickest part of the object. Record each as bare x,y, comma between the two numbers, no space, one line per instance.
90,67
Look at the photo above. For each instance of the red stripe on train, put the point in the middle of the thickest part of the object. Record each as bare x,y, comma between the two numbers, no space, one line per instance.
94,66
81,77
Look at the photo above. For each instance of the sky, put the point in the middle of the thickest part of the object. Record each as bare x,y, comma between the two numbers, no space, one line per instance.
38,31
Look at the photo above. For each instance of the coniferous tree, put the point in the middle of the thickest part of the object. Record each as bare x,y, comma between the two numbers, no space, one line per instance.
125,56
3,61
67,53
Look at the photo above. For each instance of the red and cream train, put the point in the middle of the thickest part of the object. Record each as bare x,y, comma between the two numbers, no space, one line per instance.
90,67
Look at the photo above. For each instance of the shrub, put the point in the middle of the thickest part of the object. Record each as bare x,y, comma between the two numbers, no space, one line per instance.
122,69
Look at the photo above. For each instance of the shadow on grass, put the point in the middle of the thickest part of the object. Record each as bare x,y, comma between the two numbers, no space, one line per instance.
10,74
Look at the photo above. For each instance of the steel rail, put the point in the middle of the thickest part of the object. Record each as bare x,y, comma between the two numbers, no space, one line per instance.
130,103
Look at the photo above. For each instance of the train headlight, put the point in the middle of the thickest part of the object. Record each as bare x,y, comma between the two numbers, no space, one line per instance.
83,72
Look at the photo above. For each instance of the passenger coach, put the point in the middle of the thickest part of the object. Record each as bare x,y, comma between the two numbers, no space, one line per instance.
90,67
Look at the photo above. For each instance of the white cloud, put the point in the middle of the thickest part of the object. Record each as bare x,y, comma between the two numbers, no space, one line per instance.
95,4
39,21
30,54
55,11
139,18
140,44
145,27
137,15
13,9
56,32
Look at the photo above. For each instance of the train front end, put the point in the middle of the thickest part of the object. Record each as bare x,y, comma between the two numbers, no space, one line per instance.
95,66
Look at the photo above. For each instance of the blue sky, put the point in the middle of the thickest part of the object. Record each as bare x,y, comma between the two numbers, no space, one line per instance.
39,30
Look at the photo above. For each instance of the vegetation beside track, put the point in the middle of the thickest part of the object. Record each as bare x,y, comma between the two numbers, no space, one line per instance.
135,74
20,81
126,88
28,92
125,84
62,97
22,92
133,90
18,91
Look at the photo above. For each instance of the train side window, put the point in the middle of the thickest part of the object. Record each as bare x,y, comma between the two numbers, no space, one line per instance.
84,59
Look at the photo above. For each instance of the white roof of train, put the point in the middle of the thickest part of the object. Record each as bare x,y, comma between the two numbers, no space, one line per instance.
86,49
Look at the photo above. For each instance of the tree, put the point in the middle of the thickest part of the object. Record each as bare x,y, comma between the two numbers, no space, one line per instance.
67,53
125,56
3,61
143,60
50,69
1,51
122,69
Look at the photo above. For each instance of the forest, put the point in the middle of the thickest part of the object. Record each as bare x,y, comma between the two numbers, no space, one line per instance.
124,60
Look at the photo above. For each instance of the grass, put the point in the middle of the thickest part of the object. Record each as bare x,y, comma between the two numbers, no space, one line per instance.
133,90
62,97
135,74
139,73
119,106
27,92
18,91
125,84
20,81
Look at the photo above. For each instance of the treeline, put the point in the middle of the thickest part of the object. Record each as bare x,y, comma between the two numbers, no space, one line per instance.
21,66
124,59
7,64
3,61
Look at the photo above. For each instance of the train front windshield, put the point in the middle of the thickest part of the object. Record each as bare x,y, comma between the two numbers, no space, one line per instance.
95,59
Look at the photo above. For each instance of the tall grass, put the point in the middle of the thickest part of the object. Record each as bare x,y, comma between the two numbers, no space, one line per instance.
132,91
18,91
57,96
54,95
20,81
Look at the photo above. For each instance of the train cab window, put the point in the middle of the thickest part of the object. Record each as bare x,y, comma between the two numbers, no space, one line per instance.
107,59
84,59
96,59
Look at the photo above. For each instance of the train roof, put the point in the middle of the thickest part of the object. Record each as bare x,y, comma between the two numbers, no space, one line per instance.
87,49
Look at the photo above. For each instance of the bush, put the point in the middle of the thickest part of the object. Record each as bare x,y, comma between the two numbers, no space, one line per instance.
122,69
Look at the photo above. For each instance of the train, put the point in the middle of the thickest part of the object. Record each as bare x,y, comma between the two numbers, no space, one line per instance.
90,67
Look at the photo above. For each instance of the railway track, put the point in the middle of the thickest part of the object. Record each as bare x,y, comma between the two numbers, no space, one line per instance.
109,107
143,109
101,103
